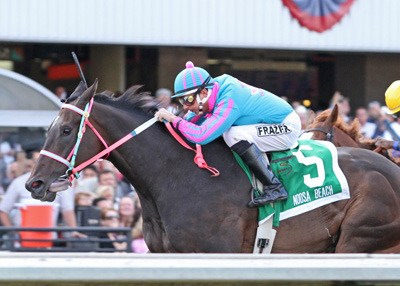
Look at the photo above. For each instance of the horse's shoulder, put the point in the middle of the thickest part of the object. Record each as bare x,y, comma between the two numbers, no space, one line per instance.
356,153
366,159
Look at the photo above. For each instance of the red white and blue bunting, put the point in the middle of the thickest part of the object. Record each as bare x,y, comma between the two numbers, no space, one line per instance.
318,15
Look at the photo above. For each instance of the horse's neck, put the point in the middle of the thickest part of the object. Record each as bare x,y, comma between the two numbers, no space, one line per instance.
343,139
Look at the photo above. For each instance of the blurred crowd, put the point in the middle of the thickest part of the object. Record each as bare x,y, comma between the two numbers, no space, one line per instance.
374,119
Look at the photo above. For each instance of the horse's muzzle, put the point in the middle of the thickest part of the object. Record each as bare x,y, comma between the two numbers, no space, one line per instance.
39,191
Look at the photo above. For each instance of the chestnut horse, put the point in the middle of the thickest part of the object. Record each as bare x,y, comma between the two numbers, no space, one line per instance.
331,127
187,210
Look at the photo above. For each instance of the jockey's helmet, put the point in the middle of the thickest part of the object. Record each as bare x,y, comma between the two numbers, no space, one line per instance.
392,97
191,80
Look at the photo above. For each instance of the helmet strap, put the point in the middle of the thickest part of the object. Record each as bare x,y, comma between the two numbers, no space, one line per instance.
204,100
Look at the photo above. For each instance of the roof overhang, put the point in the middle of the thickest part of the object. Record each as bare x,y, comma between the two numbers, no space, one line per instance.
27,118
24,102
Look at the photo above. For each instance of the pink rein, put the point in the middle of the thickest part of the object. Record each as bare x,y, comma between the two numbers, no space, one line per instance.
198,158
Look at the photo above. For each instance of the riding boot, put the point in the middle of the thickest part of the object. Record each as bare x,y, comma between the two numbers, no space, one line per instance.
273,189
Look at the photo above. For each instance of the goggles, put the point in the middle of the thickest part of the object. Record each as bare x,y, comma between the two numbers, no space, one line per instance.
188,100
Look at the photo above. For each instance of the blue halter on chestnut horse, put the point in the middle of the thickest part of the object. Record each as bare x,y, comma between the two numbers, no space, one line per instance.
186,210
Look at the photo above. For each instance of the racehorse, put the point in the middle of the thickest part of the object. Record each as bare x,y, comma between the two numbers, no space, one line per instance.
328,125
187,210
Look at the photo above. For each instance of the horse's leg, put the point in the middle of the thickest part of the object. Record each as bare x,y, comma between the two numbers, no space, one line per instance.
372,220
153,231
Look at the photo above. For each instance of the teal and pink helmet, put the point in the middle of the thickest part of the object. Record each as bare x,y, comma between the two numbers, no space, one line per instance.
191,80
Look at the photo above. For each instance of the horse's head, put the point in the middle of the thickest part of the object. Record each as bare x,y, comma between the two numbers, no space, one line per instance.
57,154
331,127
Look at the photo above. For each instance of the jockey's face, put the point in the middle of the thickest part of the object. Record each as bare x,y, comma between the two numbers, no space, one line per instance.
195,106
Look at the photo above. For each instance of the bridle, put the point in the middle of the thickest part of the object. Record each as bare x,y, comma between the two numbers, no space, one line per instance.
72,171
329,134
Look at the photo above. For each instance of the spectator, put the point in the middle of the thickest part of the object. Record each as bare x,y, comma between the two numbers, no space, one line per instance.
17,194
61,93
304,115
126,211
13,170
110,219
83,198
90,172
377,115
88,180
103,203
86,213
109,178
392,104
385,125
392,131
130,215
367,128
6,158
86,185
108,192
343,104
374,111
163,96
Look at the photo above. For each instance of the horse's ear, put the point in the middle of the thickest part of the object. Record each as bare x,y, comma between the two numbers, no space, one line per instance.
334,115
77,92
88,94
80,88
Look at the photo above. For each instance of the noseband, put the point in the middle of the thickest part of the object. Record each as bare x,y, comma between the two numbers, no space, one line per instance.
329,134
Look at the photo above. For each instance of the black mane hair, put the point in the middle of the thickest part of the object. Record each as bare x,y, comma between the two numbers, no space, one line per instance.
132,98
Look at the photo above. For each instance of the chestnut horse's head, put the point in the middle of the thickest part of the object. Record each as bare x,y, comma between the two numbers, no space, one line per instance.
330,126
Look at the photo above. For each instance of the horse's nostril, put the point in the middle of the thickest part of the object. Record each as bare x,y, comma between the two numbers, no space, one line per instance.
36,184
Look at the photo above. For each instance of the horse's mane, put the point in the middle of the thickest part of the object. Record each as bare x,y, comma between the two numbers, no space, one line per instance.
132,98
353,129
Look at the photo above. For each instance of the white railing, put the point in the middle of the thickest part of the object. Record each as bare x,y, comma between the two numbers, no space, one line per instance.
189,268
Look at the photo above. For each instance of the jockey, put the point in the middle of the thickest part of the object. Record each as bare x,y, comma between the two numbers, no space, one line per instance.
392,99
251,120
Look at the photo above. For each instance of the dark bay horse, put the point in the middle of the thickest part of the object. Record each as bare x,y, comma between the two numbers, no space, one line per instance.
187,210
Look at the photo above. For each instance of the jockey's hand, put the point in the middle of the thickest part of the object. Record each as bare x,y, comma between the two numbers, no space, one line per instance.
383,144
164,114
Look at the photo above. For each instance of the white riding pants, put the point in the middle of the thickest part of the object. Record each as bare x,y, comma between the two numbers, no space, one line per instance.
267,137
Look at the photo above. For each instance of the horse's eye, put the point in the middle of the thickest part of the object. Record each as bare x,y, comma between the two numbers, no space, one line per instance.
66,131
